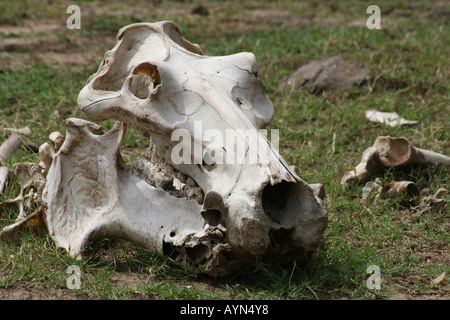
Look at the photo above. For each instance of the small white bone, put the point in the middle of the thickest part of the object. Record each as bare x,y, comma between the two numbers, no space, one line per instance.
390,118
57,138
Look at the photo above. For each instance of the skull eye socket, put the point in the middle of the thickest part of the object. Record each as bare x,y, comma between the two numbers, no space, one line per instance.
144,79
172,31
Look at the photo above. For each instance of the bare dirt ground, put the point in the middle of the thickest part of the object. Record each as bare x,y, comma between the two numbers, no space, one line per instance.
47,40
39,42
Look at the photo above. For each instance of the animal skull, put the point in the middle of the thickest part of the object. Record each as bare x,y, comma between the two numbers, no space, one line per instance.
159,83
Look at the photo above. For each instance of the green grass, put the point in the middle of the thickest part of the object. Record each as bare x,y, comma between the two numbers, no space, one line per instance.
408,58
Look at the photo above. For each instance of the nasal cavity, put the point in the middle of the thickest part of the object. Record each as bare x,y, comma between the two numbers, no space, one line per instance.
212,217
281,201
145,78
213,208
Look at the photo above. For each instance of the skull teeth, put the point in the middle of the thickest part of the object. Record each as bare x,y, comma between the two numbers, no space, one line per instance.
160,174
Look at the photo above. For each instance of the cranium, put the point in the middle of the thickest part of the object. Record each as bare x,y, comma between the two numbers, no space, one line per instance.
159,83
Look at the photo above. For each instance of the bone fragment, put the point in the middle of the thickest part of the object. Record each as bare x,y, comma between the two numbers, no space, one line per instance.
47,154
57,138
9,146
390,118
408,188
368,167
25,130
11,234
370,187
400,152
389,152
6,149
3,177
441,279
433,202
32,183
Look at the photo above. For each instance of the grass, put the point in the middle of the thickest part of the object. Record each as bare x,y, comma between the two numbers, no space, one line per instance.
408,58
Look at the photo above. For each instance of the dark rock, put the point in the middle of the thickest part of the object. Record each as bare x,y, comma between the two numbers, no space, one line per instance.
201,10
327,74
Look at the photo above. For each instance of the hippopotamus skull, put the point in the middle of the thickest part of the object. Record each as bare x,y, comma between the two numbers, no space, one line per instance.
209,203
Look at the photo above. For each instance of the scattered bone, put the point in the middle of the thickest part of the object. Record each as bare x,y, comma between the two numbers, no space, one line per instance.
25,130
9,146
32,184
389,152
370,187
6,149
411,195
3,177
11,233
441,279
400,152
431,203
383,191
408,188
17,202
390,118
440,193
57,138
368,167
46,152
29,200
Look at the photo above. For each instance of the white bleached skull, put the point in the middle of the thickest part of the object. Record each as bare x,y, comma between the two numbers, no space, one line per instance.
234,203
